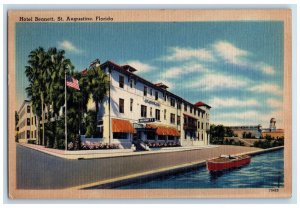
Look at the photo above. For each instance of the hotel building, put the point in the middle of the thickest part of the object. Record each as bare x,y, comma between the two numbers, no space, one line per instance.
27,125
136,109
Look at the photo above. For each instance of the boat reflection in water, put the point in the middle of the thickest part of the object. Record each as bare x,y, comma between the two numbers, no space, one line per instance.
215,175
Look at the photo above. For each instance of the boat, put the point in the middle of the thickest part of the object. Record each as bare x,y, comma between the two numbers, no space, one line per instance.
226,162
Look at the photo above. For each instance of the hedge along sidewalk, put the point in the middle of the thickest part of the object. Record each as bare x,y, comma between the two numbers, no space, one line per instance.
93,154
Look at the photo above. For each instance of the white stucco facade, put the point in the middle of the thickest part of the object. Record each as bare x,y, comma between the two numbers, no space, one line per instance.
129,93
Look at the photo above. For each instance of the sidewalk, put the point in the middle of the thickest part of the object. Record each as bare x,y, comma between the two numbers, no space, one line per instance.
93,154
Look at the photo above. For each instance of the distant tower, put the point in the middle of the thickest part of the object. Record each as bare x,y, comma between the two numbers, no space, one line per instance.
272,124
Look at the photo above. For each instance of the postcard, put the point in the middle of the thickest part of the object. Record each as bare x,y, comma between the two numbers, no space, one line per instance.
149,104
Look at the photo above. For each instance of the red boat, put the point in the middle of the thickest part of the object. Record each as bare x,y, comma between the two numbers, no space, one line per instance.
226,161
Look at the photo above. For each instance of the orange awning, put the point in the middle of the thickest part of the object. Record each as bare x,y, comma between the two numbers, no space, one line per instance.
164,130
122,126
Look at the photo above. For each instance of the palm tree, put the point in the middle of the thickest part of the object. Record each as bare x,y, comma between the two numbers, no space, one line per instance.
36,73
98,84
56,83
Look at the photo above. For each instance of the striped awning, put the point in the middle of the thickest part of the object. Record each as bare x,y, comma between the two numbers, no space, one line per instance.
164,130
122,126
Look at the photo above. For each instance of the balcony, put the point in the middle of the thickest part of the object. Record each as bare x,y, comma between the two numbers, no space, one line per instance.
191,126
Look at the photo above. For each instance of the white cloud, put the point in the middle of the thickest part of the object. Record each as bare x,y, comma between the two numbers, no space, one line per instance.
248,118
189,67
68,46
232,102
230,53
267,88
218,81
275,103
219,51
140,67
183,54
239,115
268,70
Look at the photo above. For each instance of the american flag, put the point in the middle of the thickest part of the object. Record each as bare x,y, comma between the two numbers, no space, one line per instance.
72,82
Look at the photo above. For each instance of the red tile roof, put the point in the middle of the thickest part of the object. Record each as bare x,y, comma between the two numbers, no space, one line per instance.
199,104
162,85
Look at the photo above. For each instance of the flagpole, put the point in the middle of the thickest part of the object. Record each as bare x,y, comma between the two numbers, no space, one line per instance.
66,135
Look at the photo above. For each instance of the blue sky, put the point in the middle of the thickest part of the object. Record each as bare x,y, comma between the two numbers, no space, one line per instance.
236,67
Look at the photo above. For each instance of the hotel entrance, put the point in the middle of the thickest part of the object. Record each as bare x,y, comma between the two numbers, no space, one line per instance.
143,133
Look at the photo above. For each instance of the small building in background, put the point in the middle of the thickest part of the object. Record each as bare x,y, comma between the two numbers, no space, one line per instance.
247,131
272,131
27,123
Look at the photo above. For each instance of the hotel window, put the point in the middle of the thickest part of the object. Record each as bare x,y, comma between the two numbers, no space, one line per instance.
195,111
165,96
151,92
28,109
157,114
119,135
185,107
202,126
198,136
143,111
156,95
150,111
28,121
161,137
34,120
198,124
178,120
165,114
131,104
145,91
178,105
172,118
191,109
199,112
121,105
202,115
185,120
121,81
172,101
28,134
131,83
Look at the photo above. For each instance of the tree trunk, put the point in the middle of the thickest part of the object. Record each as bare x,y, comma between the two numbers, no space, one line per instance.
38,130
49,140
97,107
43,119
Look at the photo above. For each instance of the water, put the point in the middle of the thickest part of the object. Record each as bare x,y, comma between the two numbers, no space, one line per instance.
265,171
